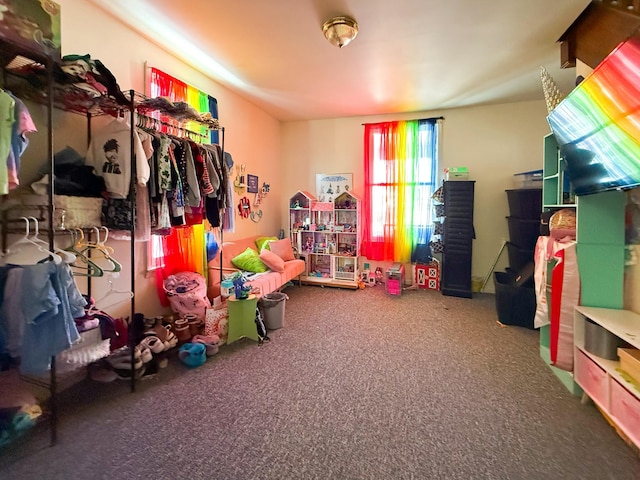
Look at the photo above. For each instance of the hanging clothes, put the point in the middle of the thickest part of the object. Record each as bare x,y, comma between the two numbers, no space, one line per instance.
22,125
37,313
556,310
110,155
7,108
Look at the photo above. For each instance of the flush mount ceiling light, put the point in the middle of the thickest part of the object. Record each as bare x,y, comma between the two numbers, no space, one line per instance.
340,31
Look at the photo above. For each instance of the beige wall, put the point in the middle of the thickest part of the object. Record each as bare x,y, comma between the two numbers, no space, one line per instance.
494,142
251,136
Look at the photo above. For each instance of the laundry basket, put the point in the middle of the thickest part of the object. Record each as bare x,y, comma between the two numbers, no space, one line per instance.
187,294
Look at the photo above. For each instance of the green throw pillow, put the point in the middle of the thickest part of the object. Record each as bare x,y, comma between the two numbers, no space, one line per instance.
249,261
263,242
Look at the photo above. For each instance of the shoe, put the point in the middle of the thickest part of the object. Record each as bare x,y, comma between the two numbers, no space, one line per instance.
125,373
121,359
209,341
157,330
145,354
192,354
153,343
103,375
171,340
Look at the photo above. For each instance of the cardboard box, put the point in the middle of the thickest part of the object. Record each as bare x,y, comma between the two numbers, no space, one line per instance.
32,26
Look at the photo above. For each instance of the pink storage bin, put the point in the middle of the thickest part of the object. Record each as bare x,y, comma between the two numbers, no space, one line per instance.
592,379
625,410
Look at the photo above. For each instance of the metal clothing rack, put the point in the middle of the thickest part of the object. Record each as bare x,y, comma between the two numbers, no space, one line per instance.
17,56
19,66
13,60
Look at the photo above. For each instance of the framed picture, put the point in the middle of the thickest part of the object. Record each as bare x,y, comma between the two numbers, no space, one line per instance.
330,185
252,183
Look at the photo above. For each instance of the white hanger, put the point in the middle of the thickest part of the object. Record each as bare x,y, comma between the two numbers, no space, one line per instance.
67,257
112,292
25,251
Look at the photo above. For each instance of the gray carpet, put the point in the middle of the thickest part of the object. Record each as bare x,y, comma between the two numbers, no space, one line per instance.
357,385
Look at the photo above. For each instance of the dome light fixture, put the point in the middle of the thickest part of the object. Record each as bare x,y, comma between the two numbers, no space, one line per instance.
340,31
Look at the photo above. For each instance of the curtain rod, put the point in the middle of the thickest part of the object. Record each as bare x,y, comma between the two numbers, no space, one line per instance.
419,119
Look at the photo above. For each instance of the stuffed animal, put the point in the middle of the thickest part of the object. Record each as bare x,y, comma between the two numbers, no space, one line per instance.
241,290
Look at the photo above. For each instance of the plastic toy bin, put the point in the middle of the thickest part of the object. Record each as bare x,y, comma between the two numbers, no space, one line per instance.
395,279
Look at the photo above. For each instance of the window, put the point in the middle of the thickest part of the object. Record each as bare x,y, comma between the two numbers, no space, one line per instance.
400,165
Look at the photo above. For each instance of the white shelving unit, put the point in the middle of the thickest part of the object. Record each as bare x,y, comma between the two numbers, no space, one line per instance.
600,378
326,236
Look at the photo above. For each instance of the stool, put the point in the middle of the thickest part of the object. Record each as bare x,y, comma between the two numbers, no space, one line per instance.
242,318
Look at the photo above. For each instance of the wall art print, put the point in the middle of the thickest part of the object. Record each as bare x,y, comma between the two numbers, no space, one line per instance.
330,185
252,183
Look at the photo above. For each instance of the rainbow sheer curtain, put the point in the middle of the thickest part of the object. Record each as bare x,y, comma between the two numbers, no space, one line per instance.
400,165
183,249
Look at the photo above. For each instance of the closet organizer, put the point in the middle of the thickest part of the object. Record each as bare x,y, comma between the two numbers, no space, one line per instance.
19,69
30,76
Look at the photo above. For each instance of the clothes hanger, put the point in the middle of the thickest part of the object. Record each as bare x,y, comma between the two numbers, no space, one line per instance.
91,269
101,250
112,292
24,251
67,257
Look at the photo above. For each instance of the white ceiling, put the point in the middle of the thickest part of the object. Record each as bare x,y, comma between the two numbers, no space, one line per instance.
410,55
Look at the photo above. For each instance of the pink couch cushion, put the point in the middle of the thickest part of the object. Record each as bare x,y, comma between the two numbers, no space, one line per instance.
271,260
283,249
266,282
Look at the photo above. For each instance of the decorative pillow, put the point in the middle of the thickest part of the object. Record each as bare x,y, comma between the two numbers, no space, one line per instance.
271,260
283,249
263,242
249,261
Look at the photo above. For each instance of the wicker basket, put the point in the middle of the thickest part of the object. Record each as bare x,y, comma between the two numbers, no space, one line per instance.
68,212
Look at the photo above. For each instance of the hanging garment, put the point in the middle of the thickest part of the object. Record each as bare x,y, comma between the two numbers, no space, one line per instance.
7,110
540,282
22,125
565,295
110,155
192,195
39,306
556,309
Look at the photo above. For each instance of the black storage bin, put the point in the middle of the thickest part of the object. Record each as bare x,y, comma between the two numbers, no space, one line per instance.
524,276
525,203
523,232
518,257
515,305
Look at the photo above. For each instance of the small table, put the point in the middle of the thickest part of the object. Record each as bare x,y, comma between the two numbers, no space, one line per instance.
242,318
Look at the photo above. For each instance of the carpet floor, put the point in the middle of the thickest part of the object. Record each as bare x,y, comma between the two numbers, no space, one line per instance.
356,385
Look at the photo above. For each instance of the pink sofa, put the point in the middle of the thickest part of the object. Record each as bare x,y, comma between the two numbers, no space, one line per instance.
265,282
